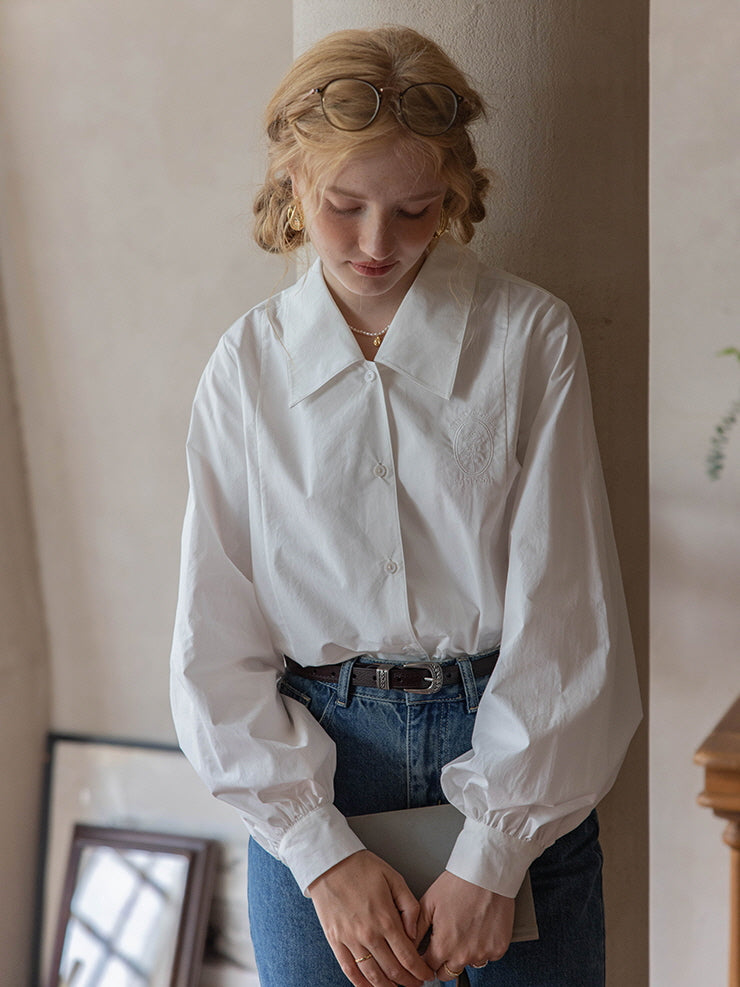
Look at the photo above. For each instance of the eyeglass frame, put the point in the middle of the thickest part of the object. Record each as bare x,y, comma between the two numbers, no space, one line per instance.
379,91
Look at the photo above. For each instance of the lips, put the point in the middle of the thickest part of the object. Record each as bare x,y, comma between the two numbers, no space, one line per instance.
373,270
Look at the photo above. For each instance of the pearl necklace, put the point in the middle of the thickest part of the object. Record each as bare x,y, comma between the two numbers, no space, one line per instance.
377,336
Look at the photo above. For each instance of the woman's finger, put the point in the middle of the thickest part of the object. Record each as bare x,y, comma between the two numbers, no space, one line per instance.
424,924
363,968
400,965
470,924
352,965
450,971
407,905
375,920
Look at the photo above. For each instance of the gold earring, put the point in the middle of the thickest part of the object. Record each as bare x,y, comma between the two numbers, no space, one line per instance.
295,217
443,223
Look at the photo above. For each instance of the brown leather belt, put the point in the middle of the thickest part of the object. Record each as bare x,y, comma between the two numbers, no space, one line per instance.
422,677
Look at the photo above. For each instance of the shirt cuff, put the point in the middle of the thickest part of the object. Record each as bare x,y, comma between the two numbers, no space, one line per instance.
317,842
492,859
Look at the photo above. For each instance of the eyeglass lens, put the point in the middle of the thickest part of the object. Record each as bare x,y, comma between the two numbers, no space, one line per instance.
427,108
350,104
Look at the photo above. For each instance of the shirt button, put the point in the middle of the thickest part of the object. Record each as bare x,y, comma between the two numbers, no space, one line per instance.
391,566
380,470
370,376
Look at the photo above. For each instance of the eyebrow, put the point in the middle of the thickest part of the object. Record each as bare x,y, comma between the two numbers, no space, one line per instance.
417,197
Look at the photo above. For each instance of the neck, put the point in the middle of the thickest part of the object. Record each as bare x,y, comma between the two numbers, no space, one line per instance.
366,317
369,312
367,345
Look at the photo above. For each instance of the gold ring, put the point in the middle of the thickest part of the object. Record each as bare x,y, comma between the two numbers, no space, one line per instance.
368,956
452,972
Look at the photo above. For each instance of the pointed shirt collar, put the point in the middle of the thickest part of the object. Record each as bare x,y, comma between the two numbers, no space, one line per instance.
424,339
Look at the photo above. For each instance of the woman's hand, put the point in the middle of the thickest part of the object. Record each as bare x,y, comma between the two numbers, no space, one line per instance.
369,917
470,925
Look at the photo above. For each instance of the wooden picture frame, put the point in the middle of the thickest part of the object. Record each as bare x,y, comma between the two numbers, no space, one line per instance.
134,902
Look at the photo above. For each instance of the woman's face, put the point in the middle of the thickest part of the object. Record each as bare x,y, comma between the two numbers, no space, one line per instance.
372,227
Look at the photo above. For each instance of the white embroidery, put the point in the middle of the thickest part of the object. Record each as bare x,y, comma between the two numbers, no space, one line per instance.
473,445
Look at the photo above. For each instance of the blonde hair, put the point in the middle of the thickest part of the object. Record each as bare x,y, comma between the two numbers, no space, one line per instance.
301,140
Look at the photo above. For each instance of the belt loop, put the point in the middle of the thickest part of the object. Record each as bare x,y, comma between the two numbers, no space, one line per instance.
468,677
345,680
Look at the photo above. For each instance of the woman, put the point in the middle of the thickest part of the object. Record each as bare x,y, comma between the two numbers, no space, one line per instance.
399,584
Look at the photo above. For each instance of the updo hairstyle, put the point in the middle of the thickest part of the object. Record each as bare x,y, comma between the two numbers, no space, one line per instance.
301,140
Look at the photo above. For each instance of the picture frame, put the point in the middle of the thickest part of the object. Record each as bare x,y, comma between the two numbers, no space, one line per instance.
128,784
134,909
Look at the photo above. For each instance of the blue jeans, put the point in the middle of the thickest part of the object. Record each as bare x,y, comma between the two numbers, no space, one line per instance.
391,747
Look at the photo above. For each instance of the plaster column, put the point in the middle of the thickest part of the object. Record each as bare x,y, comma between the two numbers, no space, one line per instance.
566,135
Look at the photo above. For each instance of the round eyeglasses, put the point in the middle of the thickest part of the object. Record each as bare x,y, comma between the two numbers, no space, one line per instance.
426,108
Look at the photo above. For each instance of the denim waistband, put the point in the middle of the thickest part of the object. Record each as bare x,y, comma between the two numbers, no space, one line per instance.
345,688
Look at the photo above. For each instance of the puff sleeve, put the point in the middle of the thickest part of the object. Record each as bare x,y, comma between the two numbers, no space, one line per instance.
557,716
255,749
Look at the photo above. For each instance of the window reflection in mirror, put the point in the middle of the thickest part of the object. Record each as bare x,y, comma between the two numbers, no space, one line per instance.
134,910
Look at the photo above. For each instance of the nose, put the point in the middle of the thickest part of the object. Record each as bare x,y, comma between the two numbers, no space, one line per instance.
376,238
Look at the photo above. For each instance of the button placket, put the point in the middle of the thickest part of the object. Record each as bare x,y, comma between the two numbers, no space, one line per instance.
387,529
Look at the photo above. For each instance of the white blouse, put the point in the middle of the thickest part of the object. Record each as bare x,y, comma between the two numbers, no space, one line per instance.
443,500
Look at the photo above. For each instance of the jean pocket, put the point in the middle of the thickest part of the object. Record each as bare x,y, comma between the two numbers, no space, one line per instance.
286,689
319,700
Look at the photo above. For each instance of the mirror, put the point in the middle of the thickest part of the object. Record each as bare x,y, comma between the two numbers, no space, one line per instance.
134,909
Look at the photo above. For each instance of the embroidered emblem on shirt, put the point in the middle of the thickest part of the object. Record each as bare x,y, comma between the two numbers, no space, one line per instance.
473,445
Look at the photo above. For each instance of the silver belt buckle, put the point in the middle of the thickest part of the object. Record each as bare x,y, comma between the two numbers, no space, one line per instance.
435,679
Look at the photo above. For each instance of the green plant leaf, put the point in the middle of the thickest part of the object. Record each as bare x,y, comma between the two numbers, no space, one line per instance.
715,461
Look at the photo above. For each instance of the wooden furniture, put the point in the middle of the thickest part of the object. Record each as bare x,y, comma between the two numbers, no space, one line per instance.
719,755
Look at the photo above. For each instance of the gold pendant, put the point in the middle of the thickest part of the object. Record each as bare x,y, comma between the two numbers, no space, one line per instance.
377,341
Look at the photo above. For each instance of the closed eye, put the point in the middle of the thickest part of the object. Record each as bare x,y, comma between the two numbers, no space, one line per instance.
405,214
347,211
354,210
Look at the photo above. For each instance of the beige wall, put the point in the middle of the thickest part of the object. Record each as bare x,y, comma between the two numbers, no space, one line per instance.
127,165
695,311
130,164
